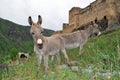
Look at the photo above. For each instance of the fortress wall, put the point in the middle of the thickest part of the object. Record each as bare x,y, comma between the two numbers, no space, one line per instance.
65,25
99,9
68,29
117,9
73,18
72,13
115,5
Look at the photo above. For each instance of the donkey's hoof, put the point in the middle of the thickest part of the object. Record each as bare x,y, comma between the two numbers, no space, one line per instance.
47,69
75,68
73,63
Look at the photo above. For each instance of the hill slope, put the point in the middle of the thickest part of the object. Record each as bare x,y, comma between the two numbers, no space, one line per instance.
99,60
14,38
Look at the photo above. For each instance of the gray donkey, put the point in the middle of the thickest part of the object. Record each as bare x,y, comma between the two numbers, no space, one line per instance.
79,38
44,46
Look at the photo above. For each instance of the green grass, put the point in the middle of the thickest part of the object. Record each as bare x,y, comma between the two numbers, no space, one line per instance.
100,57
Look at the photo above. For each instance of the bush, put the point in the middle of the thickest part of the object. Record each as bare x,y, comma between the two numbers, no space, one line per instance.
13,53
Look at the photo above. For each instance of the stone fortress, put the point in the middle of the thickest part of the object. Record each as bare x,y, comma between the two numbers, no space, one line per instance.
98,10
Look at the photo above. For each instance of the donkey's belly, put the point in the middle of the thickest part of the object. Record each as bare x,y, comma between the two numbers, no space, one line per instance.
53,52
71,46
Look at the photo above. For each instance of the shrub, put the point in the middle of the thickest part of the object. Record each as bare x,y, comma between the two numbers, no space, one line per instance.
13,53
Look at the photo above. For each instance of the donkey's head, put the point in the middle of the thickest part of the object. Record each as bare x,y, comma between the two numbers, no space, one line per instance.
94,29
36,31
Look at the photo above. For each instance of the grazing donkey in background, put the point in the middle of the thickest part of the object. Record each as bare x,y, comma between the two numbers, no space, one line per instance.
79,38
44,46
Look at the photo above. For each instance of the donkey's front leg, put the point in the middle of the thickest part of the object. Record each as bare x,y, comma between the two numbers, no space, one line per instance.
39,57
52,58
46,62
80,50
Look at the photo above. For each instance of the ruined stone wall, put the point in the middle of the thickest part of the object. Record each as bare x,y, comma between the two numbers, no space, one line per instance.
97,9
73,20
117,8
72,14
65,25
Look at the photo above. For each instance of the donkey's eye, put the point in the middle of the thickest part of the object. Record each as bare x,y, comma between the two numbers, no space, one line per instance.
33,33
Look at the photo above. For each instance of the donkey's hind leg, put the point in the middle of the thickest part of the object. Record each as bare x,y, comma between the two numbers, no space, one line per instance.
58,58
52,58
80,50
65,55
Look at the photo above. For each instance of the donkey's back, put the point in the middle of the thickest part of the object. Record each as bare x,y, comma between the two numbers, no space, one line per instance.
73,40
53,44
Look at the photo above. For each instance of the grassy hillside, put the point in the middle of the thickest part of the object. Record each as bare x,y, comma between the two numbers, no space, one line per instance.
99,60
15,38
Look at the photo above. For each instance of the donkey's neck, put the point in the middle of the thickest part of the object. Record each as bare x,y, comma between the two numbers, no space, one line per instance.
89,31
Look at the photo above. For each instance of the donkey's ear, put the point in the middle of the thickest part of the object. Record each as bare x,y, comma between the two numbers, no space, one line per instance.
95,25
92,23
30,20
39,19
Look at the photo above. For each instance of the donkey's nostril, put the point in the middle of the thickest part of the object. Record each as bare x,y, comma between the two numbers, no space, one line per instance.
40,46
33,33
42,32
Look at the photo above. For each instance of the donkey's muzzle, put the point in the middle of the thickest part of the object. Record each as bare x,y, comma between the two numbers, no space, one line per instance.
97,34
39,43
40,46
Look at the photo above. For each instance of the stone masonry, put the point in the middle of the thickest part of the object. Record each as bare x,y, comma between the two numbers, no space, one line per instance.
98,9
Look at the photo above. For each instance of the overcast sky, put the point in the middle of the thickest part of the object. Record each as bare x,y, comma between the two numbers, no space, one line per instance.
54,12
